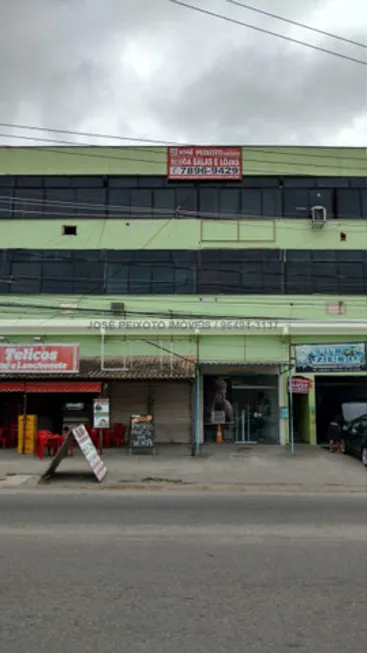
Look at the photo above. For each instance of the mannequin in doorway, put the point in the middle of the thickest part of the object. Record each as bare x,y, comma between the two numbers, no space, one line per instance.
220,401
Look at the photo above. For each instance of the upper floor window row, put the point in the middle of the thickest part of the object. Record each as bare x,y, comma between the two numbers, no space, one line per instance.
164,272
187,200
159,181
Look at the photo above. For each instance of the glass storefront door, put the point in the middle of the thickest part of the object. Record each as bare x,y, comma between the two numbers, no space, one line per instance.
255,408
246,407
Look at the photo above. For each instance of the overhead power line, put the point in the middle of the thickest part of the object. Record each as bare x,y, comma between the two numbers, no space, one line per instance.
235,21
74,150
296,23
292,303
162,143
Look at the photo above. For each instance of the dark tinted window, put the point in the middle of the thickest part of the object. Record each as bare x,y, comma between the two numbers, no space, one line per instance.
58,182
298,272
300,182
140,279
272,203
92,181
26,277
260,182
296,203
58,276
164,202
209,201
251,203
60,202
326,272
358,182
6,203
333,182
163,279
88,272
187,199
91,202
322,197
364,203
119,203
6,181
141,203
349,203
123,182
151,182
29,181
230,202
28,203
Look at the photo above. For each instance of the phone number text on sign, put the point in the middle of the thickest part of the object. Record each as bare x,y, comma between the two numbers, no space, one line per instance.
204,163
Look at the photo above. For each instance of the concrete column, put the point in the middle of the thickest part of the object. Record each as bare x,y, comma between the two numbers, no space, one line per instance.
283,404
312,412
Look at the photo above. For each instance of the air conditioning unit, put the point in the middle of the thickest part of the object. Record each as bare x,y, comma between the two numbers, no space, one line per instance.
68,309
117,308
318,217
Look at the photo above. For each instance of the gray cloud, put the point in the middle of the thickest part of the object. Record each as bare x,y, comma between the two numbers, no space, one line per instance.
149,68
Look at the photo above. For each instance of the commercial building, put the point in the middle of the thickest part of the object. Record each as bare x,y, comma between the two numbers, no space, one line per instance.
190,284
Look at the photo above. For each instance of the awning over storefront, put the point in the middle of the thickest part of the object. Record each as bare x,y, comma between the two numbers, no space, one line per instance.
128,368
11,386
76,387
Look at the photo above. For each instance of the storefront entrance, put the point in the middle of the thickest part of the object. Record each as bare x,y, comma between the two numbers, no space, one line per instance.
58,405
245,406
342,397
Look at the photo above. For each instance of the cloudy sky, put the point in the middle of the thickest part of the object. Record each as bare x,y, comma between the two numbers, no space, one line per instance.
152,69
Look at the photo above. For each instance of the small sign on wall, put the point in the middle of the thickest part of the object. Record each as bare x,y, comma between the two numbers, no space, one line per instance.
284,412
101,413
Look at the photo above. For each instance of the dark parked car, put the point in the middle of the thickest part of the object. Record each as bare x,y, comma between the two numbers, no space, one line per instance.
354,439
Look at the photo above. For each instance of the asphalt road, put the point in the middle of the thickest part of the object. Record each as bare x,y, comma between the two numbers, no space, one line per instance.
164,573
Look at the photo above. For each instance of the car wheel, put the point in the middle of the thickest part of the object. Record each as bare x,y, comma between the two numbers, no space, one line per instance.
364,456
343,447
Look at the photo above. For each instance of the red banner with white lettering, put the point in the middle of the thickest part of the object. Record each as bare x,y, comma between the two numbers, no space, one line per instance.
28,359
204,163
299,385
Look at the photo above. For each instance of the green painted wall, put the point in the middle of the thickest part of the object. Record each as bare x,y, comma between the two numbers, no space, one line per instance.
261,306
77,160
182,234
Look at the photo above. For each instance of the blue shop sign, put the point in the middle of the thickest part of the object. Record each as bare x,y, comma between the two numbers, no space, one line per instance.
331,358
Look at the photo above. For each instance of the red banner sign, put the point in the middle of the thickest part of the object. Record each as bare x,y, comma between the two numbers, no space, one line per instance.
299,385
204,163
28,359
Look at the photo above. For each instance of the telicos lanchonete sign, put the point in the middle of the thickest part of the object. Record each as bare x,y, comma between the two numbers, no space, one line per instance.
28,359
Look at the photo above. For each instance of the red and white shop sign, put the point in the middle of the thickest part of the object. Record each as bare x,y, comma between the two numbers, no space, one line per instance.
204,163
299,385
28,359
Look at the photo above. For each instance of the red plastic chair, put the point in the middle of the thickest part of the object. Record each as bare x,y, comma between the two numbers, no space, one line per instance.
107,438
49,440
13,436
94,436
119,435
3,438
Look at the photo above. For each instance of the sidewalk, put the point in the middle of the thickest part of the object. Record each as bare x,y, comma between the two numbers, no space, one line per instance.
220,467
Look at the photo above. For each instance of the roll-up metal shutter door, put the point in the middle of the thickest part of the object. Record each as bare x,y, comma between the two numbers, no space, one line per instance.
128,397
172,401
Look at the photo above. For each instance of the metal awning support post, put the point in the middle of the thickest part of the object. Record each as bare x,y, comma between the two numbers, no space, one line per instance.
24,417
290,396
196,447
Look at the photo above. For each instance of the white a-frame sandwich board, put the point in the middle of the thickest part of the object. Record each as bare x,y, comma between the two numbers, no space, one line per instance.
82,438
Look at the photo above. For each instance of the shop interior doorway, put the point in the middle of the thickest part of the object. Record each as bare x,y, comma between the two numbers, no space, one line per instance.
301,418
343,397
246,407
55,412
